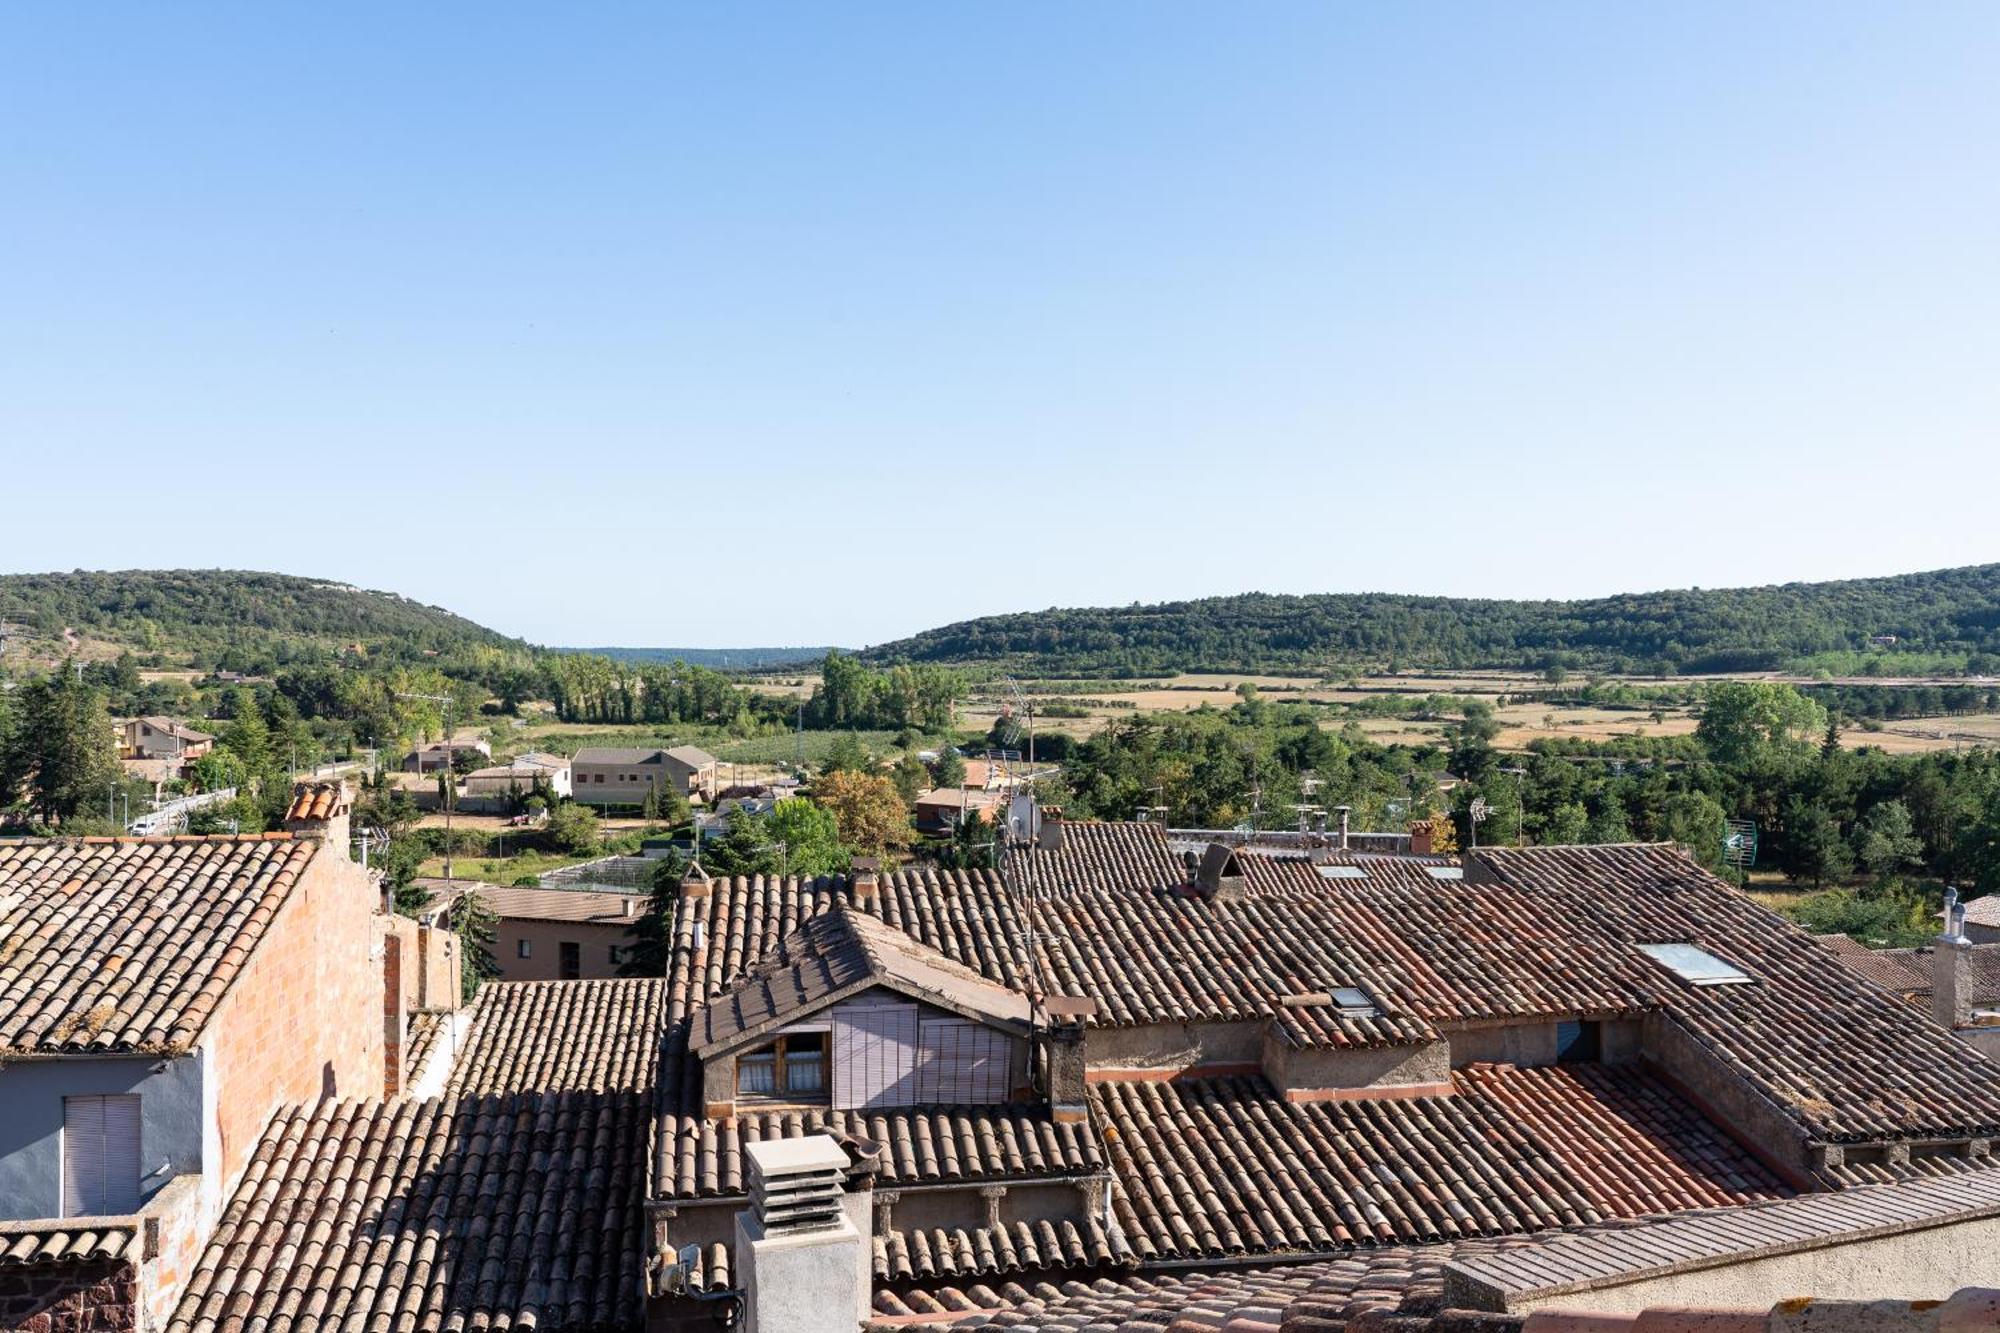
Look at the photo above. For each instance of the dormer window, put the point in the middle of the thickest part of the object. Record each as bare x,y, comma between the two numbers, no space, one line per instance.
1697,967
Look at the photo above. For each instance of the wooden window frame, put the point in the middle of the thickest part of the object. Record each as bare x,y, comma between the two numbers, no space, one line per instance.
782,1094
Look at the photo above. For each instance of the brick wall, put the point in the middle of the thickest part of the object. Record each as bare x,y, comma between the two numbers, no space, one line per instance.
67,1298
303,1020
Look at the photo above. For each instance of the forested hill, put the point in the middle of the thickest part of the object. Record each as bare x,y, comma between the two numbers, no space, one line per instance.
208,616
1944,620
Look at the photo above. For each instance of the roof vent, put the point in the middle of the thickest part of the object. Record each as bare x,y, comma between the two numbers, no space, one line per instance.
796,1184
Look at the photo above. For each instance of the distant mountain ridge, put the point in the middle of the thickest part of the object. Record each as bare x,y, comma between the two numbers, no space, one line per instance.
722,659
206,612
1949,614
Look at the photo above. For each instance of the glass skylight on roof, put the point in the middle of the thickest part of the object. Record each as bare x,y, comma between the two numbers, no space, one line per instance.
1697,967
1341,872
1445,872
1354,1002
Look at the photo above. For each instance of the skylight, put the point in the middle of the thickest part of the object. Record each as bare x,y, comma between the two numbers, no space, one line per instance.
1697,967
1445,872
1354,1002
1341,872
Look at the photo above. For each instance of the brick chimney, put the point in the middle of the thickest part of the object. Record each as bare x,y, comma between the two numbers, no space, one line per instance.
1951,968
865,880
800,1254
1420,837
321,810
1050,836
1066,1067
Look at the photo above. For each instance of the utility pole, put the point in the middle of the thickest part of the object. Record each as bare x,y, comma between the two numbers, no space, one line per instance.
450,776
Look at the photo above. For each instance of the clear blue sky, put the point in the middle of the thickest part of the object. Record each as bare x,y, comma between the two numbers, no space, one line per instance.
787,323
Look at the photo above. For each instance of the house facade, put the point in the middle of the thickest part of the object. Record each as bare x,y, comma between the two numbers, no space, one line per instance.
435,756
555,934
163,738
159,1016
627,776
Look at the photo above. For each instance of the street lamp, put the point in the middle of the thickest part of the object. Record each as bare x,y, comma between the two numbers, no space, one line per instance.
1520,782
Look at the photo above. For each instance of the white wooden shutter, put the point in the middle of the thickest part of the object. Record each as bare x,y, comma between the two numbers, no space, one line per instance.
100,1155
874,1056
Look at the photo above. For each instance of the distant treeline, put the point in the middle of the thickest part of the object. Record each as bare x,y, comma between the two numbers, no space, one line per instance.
721,659
1949,616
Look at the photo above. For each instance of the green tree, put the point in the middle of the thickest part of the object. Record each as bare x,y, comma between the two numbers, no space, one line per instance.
1814,849
950,770
1743,721
1695,821
1886,840
651,933
1567,825
473,921
912,779
811,836
574,828
746,848
847,755
61,747
1608,823
218,770
247,736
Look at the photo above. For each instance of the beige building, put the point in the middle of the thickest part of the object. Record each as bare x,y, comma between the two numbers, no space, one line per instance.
554,934
620,776
163,738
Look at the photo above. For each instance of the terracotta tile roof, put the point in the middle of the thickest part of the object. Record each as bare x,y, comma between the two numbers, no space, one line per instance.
76,1241
127,944
1096,855
1019,1247
178,730
425,1026
839,953
1808,1034
554,1036
510,1211
316,801
1209,1168
1237,1299
1908,971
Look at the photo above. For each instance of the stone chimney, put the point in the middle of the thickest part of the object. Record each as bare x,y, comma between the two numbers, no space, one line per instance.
865,880
1420,837
695,882
1065,1061
1951,968
800,1256
1050,836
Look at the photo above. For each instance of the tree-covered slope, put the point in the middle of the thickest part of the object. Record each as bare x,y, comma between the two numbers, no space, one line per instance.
1947,618
200,614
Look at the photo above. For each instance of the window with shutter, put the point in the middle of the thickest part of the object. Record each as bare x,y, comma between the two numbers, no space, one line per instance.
962,1063
874,1055
100,1155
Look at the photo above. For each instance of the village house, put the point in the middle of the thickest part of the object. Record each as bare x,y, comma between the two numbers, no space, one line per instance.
163,738
1104,1065
160,999
435,756
609,776
552,934
517,778
941,811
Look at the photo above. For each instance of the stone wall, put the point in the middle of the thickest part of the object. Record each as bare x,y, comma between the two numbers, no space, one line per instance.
67,1298
1308,1075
